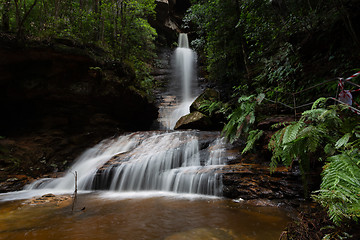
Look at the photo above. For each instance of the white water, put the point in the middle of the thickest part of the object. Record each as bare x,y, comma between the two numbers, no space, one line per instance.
147,161
184,67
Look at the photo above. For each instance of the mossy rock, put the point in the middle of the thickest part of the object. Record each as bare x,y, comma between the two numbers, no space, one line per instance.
194,120
208,95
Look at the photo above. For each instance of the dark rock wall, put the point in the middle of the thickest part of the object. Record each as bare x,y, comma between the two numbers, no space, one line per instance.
42,87
56,100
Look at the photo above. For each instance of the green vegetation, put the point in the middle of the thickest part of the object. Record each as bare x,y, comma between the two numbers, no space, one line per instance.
331,134
280,48
120,27
242,119
281,45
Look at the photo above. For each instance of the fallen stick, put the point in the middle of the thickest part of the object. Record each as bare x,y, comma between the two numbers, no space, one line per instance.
75,193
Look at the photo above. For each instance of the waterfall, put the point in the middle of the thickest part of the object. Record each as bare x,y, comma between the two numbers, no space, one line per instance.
180,162
184,65
148,161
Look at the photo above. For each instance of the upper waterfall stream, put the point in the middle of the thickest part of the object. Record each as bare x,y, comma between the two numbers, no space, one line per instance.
184,83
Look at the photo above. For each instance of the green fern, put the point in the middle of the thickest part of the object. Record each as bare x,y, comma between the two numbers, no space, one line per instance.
241,120
340,188
340,134
254,135
343,141
298,140
213,106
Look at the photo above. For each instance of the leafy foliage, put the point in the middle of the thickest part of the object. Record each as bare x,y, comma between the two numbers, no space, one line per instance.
275,44
340,187
254,135
214,106
121,27
241,120
340,134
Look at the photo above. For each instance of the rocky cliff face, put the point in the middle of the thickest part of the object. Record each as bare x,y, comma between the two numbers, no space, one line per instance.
168,20
58,85
57,99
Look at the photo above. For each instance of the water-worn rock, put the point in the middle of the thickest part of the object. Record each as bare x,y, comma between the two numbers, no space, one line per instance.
50,200
194,120
208,95
12,182
252,181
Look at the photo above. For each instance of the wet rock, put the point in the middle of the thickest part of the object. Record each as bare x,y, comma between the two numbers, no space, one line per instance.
254,181
12,182
48,195
267,123
217,118
49,200
194,120
57,99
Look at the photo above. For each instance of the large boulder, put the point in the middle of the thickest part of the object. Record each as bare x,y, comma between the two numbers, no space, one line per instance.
208,95
194,120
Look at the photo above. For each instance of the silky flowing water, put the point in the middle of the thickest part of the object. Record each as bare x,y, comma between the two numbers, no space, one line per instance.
142,185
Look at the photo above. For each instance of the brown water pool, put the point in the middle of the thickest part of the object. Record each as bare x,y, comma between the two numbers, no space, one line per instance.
118,216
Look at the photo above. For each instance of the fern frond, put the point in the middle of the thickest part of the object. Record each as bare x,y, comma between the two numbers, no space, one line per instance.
340,187
245,98
254,135
343,141
292,131
313,114
241,120
319,102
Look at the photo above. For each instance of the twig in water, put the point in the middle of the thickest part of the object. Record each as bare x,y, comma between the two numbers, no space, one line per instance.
75,193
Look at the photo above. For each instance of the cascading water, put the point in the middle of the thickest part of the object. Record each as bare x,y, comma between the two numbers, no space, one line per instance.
184,65
184,81
181,162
